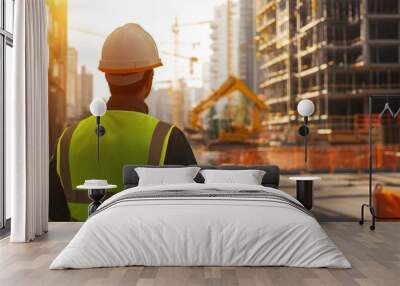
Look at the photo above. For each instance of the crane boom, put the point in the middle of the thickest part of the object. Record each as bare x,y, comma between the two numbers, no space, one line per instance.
230,85
175,29
192,60
195,23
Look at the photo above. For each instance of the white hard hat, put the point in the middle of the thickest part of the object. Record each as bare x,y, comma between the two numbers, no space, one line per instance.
124,79
127,53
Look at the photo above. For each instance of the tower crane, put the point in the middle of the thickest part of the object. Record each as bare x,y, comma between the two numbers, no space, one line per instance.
192,60
175,29
194,45
178,98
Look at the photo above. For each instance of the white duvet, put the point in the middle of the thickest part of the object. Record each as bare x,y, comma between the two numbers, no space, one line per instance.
200,231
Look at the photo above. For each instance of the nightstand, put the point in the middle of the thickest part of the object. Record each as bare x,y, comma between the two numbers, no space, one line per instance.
96,193
304,190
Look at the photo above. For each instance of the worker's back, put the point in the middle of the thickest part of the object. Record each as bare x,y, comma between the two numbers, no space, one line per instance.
130,138
128,59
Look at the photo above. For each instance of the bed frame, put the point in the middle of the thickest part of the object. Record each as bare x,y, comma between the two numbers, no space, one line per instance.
270,179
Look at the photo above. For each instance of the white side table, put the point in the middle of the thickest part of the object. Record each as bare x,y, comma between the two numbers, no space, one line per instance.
304,190
96,194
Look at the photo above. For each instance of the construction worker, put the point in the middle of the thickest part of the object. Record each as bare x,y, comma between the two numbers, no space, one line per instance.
128,58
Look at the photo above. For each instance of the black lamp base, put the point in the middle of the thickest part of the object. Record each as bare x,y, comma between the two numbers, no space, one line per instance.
100,130
304,131
304,193
96,195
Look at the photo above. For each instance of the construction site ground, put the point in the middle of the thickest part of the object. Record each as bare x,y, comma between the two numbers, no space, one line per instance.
338,197
343,187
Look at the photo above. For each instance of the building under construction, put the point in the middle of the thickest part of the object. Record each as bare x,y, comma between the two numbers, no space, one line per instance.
334,52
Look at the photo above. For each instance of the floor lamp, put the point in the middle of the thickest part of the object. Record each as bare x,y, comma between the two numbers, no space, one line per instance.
98,108
305,108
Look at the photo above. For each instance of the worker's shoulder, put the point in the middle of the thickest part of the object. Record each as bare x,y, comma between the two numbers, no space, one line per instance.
76,123
71,126
174,128
175,131
177,134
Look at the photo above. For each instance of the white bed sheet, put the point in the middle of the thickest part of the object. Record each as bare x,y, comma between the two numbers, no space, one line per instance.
200,232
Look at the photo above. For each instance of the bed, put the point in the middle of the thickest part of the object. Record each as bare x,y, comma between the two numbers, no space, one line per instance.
198,224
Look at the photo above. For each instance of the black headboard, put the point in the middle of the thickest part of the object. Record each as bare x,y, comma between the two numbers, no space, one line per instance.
270,179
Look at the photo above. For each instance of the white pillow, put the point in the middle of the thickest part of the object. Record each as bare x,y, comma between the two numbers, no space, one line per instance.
248,177
166,176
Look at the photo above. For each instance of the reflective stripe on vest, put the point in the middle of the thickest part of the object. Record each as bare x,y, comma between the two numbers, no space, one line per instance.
157,143
155,157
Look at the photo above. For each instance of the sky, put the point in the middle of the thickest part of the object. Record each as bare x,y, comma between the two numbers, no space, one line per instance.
90,21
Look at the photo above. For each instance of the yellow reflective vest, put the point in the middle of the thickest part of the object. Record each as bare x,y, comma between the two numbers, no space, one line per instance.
130,138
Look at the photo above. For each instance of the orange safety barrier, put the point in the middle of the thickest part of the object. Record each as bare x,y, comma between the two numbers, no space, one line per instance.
361,121
321,158
386,202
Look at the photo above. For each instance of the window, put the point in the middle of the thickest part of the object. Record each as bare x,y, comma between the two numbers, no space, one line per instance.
383,7
282,5
283,27
6,43
385,54
384,29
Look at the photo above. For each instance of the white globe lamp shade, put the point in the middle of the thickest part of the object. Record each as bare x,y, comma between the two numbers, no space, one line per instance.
305,107
98,107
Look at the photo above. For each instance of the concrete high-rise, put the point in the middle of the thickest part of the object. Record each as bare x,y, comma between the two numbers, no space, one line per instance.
276,41
219,46
247,46
85,91
159,103
335,53
72,85
79,89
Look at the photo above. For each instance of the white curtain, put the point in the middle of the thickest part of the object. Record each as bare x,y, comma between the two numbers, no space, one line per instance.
27,156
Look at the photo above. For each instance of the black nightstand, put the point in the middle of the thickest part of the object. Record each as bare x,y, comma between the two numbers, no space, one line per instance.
304,190
96,194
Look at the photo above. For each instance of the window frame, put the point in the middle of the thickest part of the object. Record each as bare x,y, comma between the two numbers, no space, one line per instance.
6,39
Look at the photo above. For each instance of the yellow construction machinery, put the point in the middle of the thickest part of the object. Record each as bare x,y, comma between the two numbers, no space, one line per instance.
227,129
232,133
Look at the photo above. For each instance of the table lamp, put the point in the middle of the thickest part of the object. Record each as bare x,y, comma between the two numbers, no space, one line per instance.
98,108
305,108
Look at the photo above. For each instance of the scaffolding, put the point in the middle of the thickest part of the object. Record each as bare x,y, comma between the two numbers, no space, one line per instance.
334,52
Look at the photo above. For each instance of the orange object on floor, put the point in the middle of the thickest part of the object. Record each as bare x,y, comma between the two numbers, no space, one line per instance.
386,202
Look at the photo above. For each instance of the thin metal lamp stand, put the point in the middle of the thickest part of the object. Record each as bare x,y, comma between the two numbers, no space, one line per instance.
305,139
100,131
370,204
97,195
304,131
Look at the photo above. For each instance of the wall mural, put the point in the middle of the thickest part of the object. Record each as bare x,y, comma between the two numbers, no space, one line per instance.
155,84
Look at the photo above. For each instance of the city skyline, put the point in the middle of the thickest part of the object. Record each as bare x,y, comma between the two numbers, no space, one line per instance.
79,90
